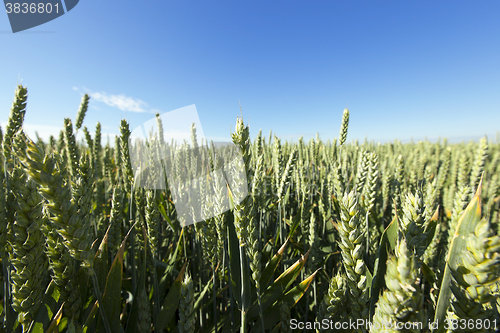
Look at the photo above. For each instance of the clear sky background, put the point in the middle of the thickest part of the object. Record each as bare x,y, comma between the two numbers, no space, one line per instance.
405,69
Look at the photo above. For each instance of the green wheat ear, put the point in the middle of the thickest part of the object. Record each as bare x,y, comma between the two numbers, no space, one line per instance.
71,148
478,165
144,312
241,138
153,222
82,111
187,315
69,208
115,221
398,183
352,245
344,127
15,121
402,301
28,259
473,281
64,272
128,174
332,306
412,223
88,139
3,218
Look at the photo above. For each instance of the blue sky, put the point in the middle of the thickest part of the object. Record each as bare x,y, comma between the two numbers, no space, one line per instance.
405,69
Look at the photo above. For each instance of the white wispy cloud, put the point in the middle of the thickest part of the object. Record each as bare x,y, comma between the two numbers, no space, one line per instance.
122,101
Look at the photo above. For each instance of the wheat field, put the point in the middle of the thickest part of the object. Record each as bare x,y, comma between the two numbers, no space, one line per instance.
358,237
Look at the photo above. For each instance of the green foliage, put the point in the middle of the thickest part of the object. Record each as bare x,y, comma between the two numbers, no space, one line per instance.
381,232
